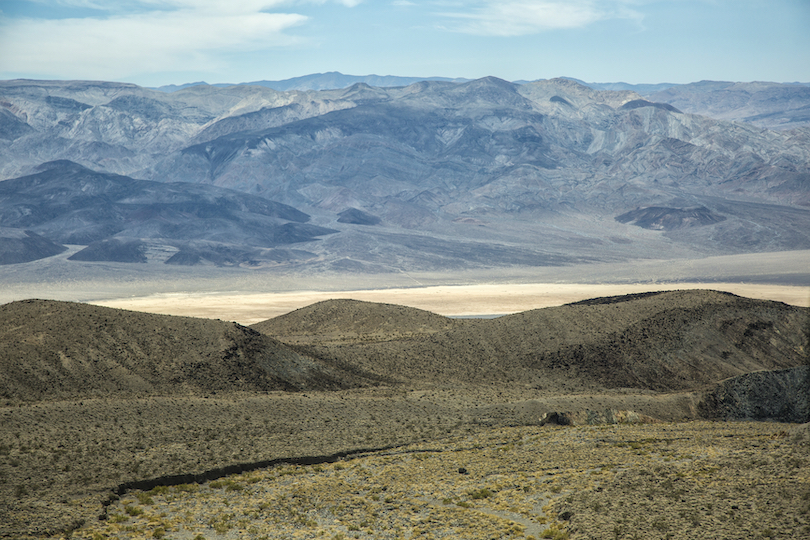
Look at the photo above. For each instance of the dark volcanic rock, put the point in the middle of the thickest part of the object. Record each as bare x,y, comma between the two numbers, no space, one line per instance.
357,217
558,99
638,103
17,246
113,250
667,219
66,104
782,395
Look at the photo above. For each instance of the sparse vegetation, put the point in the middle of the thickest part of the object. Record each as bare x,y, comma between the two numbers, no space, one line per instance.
611,491
606,467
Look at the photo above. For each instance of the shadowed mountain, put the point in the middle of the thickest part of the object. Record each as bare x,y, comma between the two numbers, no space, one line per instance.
357,217
670,218
56,350
19,246
681,340
118,217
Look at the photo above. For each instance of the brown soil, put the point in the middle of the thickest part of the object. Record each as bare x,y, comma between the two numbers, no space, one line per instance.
100,399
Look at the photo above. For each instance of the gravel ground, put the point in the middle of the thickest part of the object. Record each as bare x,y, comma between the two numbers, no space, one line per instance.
698,480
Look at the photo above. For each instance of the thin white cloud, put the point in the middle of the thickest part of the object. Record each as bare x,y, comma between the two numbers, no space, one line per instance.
165,36
523,17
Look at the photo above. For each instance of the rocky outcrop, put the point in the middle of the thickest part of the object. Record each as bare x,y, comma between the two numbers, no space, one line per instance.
782,395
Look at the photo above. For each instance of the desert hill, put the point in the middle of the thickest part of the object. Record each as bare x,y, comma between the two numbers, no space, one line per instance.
60,350
764,104
353,319
95,401
671,341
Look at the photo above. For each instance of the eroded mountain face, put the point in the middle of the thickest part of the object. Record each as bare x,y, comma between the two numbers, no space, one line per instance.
434,175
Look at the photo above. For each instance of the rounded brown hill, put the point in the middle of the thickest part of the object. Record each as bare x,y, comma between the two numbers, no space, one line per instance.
344,319
55,350
677,340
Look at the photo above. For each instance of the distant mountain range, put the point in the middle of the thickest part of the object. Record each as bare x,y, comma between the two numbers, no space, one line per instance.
431,175
771,105
332,80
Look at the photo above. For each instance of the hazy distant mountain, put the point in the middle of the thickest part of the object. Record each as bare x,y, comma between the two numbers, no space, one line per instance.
768,105
324,81
432,175
643,89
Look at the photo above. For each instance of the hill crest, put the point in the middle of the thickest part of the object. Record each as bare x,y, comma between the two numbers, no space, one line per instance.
59,350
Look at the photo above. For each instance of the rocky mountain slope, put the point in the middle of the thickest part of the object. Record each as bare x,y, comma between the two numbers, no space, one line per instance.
680,340
674,341
56,350
439,175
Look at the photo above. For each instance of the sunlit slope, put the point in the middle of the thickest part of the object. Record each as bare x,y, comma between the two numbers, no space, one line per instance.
677,340
53,350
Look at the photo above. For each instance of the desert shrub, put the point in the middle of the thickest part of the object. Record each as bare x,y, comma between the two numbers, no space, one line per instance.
133,510
554,534
482,493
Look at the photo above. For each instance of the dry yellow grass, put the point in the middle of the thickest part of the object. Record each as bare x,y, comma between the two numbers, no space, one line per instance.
689,480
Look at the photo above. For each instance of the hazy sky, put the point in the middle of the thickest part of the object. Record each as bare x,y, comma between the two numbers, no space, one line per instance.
156,42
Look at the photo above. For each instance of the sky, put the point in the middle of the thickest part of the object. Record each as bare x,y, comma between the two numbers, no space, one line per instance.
161,42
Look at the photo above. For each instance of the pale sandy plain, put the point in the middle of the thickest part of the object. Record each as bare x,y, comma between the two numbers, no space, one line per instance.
780,276
249,295
456,301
